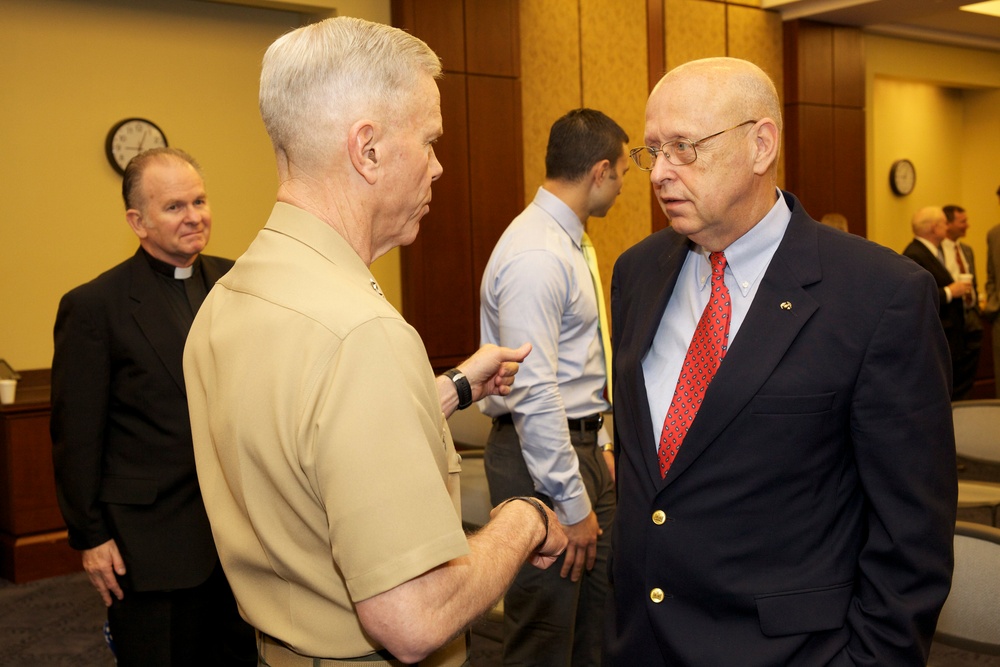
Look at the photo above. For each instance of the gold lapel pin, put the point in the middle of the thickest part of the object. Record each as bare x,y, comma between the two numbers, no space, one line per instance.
786,305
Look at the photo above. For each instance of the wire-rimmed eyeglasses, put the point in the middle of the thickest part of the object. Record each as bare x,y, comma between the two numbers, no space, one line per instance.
678,152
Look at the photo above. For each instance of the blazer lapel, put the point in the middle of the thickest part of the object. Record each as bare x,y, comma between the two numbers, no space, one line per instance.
148,306
651,301
780,309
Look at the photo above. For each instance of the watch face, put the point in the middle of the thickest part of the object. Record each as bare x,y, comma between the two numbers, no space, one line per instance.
130,137
902,177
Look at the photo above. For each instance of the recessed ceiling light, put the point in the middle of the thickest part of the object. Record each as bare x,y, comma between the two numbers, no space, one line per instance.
990,8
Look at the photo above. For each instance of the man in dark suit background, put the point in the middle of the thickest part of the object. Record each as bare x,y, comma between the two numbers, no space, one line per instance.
806,515
961,262
926,249
125,473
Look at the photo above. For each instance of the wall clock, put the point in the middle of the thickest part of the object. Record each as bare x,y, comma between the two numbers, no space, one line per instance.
127,138
902,177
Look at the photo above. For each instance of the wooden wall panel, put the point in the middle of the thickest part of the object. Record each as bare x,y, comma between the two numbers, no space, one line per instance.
437,267
694,29
808,63
495,176
848,68
849,178
824,115
440,23
491,38
809,171
481,155
656,33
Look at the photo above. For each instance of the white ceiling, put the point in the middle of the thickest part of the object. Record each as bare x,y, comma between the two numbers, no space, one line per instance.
930,20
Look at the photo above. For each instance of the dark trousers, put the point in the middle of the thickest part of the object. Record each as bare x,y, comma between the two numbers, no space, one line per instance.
190,626
965,359
550,621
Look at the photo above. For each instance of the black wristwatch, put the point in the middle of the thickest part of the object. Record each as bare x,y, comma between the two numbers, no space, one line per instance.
462,386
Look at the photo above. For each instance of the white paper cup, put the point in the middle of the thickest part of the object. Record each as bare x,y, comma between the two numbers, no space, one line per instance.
7,390
965,278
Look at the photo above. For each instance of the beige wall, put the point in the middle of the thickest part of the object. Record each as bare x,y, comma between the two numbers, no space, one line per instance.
70,69
939,107
593,53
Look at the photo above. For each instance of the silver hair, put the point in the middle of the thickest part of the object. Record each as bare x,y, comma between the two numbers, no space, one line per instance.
326,75
925,218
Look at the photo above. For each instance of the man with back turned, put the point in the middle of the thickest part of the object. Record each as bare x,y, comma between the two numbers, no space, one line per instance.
329,473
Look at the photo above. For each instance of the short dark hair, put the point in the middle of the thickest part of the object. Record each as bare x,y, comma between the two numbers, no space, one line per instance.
950,210
579,140
137,165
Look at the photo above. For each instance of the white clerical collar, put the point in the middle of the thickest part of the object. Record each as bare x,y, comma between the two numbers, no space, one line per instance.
183,272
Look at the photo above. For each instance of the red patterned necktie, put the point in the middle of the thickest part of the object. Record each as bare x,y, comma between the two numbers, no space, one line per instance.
708,347
958,258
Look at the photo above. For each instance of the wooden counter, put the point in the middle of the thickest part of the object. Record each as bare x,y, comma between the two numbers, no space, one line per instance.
33,542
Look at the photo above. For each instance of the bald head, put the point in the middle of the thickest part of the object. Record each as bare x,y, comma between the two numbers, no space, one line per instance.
740,88
714,126
930,223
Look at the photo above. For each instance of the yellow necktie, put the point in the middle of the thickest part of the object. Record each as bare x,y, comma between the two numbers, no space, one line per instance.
602,311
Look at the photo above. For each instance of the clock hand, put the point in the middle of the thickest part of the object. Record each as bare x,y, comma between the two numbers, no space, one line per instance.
143,140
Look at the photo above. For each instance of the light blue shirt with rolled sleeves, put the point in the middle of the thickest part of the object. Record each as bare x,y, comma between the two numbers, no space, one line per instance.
537,288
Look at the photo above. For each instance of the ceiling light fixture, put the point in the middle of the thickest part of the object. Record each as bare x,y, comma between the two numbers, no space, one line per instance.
990,8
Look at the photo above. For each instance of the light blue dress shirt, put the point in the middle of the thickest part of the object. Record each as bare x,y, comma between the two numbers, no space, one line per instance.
747,259
537,288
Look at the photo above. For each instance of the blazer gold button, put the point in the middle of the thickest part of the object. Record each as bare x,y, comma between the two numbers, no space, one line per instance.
656,595
659,517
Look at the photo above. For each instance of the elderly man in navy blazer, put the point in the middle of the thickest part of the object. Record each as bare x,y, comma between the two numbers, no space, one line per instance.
787,485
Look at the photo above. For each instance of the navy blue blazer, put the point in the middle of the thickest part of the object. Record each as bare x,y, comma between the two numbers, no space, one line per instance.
808,517
121,434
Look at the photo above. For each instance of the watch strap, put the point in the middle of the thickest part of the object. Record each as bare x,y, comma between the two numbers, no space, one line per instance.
462,386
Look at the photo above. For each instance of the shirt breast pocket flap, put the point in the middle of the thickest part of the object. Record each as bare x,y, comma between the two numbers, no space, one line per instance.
128,491
799,612
792,405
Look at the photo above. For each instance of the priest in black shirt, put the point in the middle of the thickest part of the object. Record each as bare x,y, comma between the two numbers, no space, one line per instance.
124,465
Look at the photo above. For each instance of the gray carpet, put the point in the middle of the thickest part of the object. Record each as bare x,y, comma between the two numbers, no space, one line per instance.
52,622
57,622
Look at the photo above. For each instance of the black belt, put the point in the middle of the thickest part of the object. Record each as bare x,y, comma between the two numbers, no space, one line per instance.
590,423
